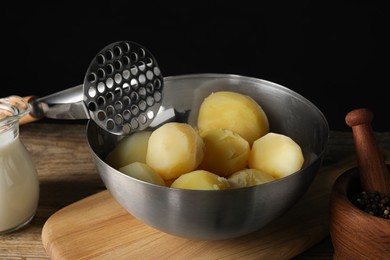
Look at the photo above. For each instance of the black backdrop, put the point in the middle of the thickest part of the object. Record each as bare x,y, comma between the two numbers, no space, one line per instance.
334,54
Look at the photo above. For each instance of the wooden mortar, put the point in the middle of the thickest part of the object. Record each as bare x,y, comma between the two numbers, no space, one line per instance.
356,234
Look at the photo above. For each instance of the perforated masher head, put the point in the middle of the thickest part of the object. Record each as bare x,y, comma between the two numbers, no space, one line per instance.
123,88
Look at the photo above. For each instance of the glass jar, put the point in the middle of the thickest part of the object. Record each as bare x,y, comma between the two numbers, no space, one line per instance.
19,184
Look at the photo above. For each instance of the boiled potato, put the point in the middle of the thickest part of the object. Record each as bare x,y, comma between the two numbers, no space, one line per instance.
233,111
143,172
173,149
276,154
201,180
131,148
248,177
225,152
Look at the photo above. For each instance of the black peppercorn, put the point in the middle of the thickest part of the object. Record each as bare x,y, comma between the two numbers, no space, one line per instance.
374,203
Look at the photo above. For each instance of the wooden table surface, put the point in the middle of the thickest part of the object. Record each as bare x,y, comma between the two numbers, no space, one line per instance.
67,174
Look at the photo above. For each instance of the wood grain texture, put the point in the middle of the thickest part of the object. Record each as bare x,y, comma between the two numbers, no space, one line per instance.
100,229
374,174
355,233
67,174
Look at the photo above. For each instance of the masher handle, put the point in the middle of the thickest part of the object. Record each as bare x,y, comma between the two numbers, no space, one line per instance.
31,117
374,173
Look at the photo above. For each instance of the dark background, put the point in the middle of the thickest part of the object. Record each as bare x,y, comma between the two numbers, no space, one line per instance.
335,54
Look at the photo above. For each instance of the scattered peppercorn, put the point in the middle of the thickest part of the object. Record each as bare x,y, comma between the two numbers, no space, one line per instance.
374,203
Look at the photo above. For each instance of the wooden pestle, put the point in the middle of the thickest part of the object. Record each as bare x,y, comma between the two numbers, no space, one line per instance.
373,171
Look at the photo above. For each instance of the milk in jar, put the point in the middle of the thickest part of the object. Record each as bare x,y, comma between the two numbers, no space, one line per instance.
19,184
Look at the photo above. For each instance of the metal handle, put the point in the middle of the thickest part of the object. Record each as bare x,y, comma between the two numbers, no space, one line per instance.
36,112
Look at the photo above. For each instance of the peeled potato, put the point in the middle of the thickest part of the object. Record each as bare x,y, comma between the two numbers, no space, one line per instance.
225,152
201,180
249,177
233,111
173,149
131,148
143,172
276,154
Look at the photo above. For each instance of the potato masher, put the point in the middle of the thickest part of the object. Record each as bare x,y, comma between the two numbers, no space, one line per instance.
122,91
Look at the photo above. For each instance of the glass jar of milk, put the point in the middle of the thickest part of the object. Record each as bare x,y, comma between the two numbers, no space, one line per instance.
19,185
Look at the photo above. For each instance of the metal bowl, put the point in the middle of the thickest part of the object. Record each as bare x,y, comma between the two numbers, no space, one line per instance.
222,214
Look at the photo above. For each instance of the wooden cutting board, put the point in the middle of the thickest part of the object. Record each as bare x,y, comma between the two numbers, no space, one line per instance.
97,227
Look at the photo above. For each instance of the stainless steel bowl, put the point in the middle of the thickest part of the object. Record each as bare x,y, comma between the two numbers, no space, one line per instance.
216,215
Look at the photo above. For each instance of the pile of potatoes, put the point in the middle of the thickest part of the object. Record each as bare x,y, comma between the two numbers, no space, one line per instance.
230,147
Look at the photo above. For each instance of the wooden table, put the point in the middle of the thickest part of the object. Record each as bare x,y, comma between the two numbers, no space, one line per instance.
67,174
